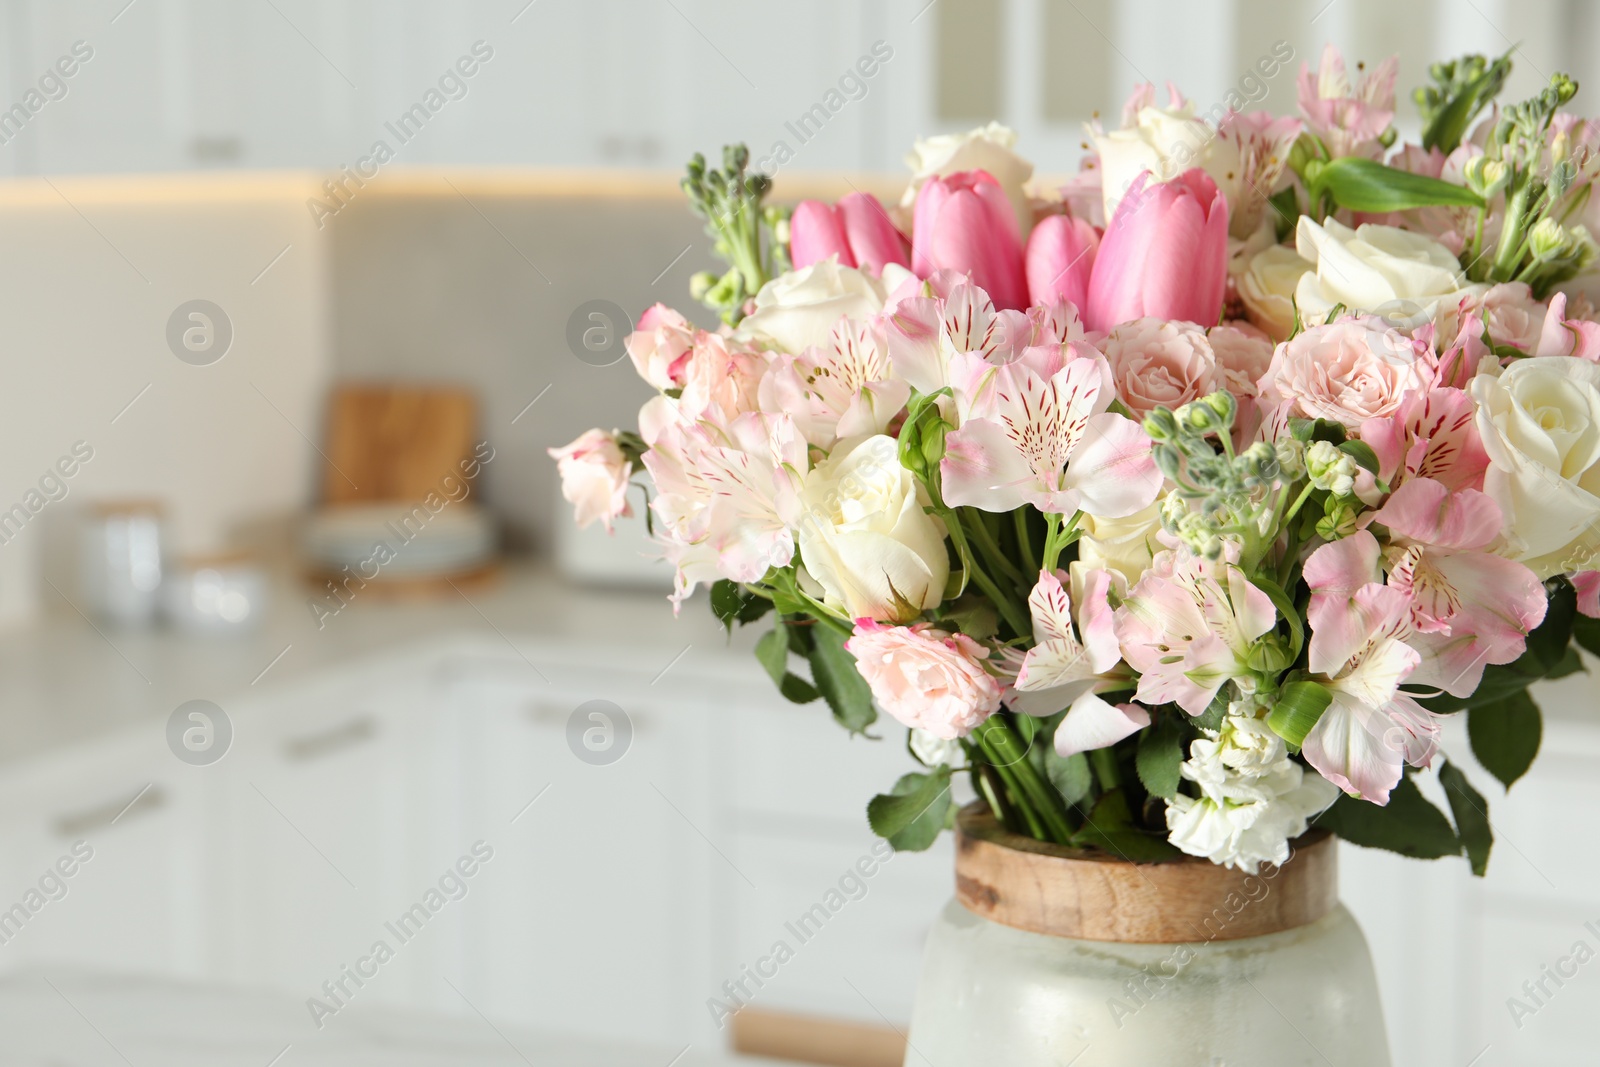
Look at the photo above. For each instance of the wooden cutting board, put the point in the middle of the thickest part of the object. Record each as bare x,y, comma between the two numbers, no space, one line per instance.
395,442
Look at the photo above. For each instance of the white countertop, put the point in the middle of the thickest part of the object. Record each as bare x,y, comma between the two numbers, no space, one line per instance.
66,680
53,1018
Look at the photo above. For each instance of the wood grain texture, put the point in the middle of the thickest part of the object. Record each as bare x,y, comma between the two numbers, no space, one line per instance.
1031,885
812,1039
396,442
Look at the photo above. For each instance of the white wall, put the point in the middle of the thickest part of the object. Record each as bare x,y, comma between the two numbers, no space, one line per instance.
92,271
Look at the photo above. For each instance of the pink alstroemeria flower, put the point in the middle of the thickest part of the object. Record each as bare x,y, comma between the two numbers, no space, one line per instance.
846,390
1587,583
1164,255
727,499
1036,431
1562,336
1188,626
1432,434
1469,607
1348,119
857,229
1360,653
963,222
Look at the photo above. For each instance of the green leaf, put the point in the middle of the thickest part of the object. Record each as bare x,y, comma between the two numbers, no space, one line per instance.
911,815
1450,123
1472,816
772,651
1586,632
730,604
1505,736
1547,644
1571,663
1362,453
1409,824
1160,752
834,671
1069,774
1308,430
1109,827
1299,706
1287,611
1367,185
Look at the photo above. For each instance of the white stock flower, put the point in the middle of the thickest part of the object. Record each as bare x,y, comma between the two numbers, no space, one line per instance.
798,310
866,537
1540,424
1253,797
987,148
934,750
1402,277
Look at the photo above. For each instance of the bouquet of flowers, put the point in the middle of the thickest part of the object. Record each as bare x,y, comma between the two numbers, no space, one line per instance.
1177,508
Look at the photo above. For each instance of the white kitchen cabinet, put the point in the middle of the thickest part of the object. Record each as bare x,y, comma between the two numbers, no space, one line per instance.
595,913
129,821
326,821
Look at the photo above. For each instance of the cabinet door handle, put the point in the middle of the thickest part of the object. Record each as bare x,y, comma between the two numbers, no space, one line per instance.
78,824
308,747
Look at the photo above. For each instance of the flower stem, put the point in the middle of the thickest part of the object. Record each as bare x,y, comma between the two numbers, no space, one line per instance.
984,539
1024,543
1010,759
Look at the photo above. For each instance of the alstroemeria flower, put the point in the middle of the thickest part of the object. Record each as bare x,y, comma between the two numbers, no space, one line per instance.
1470,607
1188,626
1358,649
1430,435
1036,431
727,499
1349,120
845,390
1561,336
954,317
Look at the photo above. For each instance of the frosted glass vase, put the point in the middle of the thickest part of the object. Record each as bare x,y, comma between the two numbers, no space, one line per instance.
1049,957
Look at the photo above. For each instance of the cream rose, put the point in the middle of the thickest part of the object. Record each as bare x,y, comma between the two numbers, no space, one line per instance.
1155,363
1540,424
987,148
1124,546
1166,141
797,310
865,536
1267,287
1404,278
594,477
1348,371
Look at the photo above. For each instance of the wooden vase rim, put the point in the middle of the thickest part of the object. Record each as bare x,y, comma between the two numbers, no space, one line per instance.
1088,895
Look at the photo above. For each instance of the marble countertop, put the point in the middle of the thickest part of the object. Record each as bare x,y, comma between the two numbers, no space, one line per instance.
68,680
55,1018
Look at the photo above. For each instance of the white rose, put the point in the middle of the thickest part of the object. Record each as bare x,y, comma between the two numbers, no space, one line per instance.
987,148
797,310
1121,545
865,536
1540,424
1267,287
1165,141
1404,278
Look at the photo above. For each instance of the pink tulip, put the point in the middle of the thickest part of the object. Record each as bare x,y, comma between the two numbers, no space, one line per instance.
1060,256
963,222
857,229
815,233
1164,255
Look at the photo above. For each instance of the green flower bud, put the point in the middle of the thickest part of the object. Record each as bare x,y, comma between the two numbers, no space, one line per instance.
700,284
1338,520
1547,239
1331,469
1269,655
1161,425
1486,176
1291,458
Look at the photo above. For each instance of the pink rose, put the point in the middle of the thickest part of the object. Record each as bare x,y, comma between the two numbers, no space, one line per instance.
1243,355
594,478
1155,363
1347,372
659,347
1515,317
926,678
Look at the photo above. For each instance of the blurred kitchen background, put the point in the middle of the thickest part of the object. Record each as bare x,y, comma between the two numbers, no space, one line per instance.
223,310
